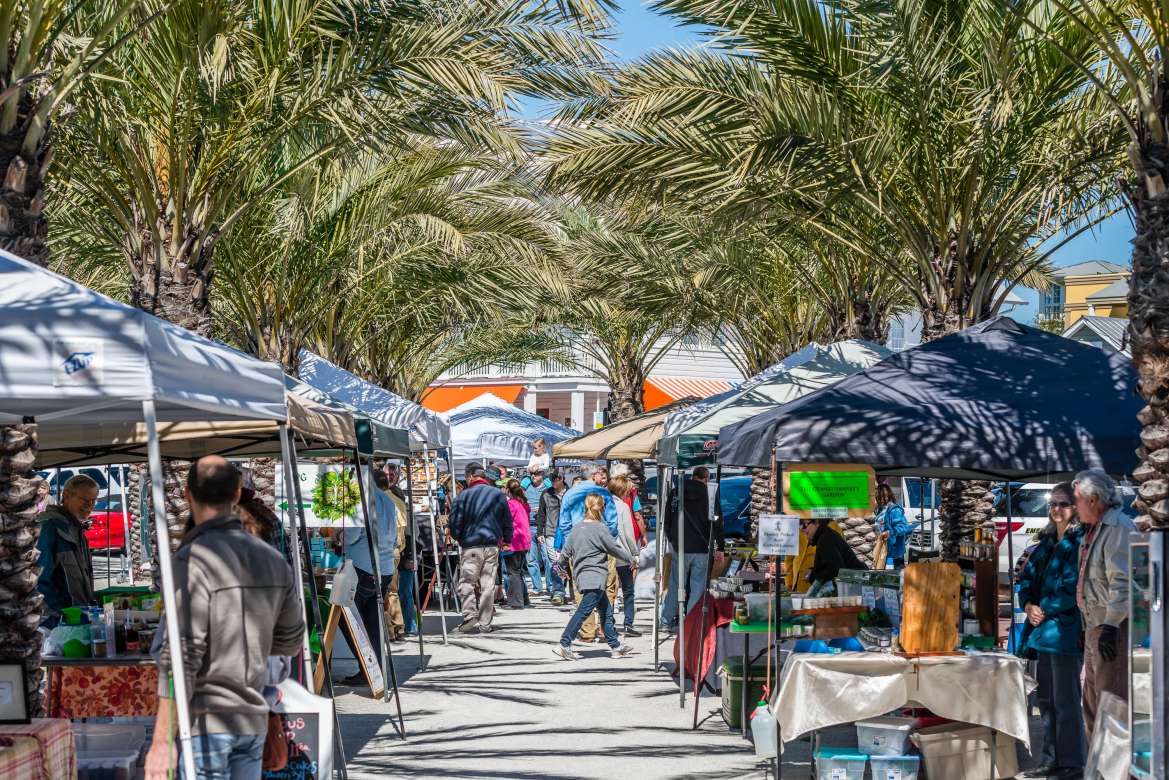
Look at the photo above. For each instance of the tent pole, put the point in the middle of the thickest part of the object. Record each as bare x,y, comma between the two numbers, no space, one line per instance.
680,565
385,654
417,568
108,532
659,548
715,518
301,540
290,477
174,638
431,503
123,478
1010,575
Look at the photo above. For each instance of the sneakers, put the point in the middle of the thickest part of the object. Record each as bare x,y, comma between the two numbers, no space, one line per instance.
468,628
567,653
622,651
631,631
486,629
557,600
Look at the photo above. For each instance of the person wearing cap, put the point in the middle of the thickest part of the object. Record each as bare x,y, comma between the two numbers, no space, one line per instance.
479,521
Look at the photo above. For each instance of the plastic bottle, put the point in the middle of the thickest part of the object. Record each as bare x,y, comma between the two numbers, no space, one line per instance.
763,731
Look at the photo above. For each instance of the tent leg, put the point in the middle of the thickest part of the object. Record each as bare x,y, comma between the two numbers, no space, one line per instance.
300,541
1010,575
385,655
289,478
417,567
123,478
659,547
434,542
718,476
680,565
182,702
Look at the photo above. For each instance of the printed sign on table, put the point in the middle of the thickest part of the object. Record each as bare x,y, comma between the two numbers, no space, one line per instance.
779,535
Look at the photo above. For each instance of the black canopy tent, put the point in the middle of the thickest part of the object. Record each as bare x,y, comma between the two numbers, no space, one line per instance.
998,400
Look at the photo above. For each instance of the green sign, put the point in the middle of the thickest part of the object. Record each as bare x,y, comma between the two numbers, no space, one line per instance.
836,491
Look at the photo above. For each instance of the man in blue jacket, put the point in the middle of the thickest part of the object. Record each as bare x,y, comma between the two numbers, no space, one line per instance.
479,521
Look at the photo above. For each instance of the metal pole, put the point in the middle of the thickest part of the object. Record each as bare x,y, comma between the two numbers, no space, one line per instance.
124,477
706,585
417,564
680,564
108,533
182,703
1010,578
434,543
660,547
290,477
385,654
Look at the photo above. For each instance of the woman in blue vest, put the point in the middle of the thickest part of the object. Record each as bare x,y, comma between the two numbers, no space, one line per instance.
892,525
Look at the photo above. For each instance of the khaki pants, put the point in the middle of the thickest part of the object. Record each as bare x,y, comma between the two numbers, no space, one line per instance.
1101,675
588,631
395,622
478,570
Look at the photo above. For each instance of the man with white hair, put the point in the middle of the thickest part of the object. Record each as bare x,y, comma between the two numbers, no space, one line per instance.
66,565
1102,589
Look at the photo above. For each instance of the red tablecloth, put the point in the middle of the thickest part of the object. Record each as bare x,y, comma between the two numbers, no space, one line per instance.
42,750
700,638
103,691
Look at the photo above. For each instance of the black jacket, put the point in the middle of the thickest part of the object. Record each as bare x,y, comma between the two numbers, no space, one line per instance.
548,514
832,555
698,523
480,517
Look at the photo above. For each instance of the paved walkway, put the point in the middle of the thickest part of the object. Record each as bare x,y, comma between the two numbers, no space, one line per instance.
503,706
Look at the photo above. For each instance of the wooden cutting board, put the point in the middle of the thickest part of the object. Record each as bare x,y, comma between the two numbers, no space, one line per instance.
930,596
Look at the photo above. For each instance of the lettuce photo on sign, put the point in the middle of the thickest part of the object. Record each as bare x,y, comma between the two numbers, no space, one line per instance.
335,496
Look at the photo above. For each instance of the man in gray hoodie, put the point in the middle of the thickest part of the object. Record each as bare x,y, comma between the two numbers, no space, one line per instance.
237,604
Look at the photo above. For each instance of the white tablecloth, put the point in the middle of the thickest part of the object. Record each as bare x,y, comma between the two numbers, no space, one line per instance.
817,690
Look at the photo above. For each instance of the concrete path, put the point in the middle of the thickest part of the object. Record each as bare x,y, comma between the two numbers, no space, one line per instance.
503,706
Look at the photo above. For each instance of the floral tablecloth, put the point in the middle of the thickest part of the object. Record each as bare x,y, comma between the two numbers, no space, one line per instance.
103,691
41,750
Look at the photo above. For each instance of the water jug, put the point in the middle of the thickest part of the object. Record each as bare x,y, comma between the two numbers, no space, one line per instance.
763,731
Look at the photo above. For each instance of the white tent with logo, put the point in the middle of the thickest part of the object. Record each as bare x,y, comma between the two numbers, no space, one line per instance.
488,428
69,355
427,429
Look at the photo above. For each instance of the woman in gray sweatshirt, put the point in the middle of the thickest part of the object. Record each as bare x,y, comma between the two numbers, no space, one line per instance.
588,547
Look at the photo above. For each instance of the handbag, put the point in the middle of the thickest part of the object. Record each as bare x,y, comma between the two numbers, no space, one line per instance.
275,745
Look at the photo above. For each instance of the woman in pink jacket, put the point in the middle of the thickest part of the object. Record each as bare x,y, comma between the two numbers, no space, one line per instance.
521,541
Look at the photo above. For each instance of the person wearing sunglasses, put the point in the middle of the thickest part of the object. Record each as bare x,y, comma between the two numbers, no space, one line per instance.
1051,636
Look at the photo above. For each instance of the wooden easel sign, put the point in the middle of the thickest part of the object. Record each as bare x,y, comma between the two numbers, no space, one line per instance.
367,657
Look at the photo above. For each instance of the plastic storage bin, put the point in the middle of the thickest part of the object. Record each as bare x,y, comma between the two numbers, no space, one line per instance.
840,764
732,673
107,765
884,736
962,752
95,737
758,604
895,767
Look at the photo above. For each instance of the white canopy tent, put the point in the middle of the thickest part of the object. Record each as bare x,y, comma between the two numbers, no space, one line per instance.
69,355
427,429
488,428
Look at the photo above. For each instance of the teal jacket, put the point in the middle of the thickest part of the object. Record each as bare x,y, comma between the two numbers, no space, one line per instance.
1049,580
892,519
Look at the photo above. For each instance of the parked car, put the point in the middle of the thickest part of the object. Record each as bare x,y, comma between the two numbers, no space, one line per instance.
734,500
108,525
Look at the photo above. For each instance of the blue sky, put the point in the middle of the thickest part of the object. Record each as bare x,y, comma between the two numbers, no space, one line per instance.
640,30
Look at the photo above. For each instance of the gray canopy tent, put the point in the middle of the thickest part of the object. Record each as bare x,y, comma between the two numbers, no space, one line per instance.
68,353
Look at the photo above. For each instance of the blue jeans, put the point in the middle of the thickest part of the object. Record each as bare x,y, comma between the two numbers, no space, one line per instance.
625,579
536,554
228,756
556,585
1059,704
590,600
504,576
406,599
694,566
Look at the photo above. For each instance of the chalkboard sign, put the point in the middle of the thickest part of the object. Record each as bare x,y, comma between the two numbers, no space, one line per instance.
308,732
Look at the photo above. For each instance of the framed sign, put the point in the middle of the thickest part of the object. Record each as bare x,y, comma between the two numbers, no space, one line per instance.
329,494
13,693
779,535
828,490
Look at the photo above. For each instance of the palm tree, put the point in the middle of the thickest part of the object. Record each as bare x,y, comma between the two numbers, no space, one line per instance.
965,139
222,106
47,50
1134,39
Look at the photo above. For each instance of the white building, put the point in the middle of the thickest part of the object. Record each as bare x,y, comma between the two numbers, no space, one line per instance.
576,397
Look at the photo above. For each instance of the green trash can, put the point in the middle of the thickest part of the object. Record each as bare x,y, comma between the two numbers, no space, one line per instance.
732,674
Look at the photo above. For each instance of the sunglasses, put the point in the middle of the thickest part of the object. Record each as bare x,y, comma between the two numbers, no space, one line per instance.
1060,504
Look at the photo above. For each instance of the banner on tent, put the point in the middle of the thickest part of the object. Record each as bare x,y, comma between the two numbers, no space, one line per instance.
828,490
329,495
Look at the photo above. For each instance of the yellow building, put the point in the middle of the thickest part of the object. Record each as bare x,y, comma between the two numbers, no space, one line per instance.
1095,288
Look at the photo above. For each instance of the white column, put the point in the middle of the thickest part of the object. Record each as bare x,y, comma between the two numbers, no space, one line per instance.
577,408
530,401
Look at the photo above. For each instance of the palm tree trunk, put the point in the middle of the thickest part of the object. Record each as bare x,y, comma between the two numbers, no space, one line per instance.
178,293
626,394
22,221
20,602
1148,333
177,511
